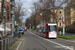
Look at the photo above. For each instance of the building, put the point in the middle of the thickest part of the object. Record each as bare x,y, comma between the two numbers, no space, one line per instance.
58,17
70,13
69,16
12,15
8,24
72,16
1,9
9,6
23,24
2,15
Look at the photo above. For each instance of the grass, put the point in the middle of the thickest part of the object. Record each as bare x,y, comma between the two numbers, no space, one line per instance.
66,36
33,30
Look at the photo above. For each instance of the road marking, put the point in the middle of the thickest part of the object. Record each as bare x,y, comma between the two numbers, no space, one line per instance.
18,46
66,47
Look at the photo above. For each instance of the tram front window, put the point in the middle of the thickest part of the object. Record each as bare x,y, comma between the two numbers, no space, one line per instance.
52,28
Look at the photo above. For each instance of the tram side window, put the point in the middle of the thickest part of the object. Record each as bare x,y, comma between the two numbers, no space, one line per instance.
46,29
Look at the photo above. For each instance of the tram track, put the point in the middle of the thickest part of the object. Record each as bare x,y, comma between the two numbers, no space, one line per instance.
67,43
60,43
38,43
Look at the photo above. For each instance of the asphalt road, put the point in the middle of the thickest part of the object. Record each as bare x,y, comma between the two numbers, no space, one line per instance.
35,42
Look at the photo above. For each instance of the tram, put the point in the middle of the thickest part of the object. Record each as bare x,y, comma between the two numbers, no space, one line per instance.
48,30
25,28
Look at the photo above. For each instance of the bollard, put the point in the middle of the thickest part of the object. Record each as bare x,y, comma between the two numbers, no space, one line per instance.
60,32
7,45
3,44
0,45
9,41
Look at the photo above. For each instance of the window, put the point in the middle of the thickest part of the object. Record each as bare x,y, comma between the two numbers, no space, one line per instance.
60,24
59,12
60,17
47,29
52,28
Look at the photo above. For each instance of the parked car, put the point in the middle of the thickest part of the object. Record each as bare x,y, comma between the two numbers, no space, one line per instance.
21,30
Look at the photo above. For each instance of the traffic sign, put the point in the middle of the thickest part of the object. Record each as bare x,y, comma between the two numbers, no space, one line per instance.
63,22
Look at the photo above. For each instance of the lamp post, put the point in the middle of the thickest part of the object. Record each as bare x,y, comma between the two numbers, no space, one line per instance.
40,19
30,26
4,14
63,20
12,24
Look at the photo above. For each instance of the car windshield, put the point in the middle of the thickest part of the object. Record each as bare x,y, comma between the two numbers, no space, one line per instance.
52,28
21,30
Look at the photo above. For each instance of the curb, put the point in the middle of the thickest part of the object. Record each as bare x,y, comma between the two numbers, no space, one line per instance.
19,46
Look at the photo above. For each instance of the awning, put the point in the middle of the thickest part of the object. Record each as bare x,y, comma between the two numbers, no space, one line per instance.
7,29
1,29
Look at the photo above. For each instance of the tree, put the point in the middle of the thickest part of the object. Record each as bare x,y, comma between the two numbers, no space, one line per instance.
19,12
47,8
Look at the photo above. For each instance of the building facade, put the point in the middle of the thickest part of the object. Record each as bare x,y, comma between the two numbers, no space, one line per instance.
69,17
58,18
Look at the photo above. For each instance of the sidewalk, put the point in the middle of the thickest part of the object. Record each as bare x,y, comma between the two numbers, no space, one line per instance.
11,43
17,45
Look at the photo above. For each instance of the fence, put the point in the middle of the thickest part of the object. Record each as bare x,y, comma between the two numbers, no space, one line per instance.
4,44
70,30
67,30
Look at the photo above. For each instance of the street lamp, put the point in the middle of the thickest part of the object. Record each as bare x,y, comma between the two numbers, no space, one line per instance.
30,26
13,24
4,14
40,19
63,20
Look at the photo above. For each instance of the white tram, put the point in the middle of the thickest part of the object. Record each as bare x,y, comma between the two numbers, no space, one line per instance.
48,30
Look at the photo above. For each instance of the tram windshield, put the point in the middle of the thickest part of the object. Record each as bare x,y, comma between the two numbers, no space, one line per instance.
52,28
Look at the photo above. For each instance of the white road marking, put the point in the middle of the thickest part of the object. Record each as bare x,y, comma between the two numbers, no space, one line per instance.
66,47
18,46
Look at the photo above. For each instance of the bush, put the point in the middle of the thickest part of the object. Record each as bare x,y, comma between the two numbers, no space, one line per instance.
33,30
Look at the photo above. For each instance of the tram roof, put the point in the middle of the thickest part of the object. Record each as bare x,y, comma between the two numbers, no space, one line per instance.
52,24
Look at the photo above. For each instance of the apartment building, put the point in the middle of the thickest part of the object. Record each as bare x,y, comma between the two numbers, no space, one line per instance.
58,17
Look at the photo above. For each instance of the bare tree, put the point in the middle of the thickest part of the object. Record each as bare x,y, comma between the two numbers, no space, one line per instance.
47,8
19,11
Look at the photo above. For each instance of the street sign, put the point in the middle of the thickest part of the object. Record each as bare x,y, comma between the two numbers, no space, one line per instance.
63,22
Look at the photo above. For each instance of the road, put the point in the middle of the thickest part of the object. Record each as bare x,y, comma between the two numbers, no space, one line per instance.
34,42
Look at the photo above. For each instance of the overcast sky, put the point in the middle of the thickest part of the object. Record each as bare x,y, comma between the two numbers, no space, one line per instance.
27,4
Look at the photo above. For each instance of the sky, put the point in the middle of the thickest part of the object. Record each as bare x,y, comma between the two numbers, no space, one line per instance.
27,4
